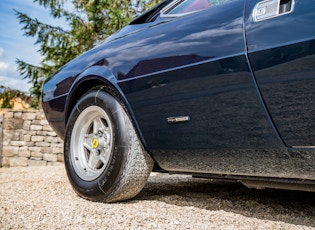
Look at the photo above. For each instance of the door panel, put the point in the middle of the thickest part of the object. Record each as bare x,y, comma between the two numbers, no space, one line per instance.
282,54
197,68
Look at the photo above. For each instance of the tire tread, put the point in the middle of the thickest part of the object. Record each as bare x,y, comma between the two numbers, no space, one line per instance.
136,169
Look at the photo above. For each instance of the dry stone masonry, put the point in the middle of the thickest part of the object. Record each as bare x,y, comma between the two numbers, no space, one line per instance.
28,140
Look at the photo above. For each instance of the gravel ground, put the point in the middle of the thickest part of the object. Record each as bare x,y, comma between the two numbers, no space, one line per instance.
42,198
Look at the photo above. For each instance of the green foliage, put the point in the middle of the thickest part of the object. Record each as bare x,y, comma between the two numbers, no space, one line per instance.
34,103
6,96
90,22
6,101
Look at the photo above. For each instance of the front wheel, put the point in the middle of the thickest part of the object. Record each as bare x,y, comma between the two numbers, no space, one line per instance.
104,158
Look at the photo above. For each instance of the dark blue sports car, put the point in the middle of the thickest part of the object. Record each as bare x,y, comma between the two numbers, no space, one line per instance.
221,89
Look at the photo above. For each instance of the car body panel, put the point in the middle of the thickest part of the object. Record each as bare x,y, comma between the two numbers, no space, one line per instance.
218,69
216,92
282,54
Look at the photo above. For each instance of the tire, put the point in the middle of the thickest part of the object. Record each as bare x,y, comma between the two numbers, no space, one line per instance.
104,158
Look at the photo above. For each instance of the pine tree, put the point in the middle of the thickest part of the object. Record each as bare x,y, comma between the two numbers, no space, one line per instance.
90,21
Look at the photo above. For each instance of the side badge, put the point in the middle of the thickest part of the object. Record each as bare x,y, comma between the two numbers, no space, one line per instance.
173,120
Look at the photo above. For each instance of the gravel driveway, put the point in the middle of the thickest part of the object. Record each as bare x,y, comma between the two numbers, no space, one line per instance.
42,198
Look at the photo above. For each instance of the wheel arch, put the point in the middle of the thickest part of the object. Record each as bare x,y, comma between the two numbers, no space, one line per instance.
101,77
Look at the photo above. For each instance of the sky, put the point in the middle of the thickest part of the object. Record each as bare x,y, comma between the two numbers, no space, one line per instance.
14,45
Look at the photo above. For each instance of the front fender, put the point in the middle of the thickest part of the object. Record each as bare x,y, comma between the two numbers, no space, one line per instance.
93,77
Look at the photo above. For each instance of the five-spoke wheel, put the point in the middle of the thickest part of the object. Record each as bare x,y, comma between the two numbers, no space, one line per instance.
91,142
104,158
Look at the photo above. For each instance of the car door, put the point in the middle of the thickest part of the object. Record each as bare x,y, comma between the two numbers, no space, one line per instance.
190,87
280,37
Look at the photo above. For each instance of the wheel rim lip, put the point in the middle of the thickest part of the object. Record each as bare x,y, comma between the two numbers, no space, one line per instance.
78,154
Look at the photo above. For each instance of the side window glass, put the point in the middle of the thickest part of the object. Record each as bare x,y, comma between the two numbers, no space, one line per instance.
182,7
219,2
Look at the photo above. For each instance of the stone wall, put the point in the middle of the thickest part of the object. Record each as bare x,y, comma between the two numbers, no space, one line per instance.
28,140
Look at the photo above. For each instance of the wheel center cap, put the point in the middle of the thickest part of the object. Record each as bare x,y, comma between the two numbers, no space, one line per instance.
95,143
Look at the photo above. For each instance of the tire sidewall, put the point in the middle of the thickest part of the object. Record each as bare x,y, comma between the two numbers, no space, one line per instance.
104,184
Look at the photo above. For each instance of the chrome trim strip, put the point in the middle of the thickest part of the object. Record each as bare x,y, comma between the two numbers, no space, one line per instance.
164,12
303,147
172,120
